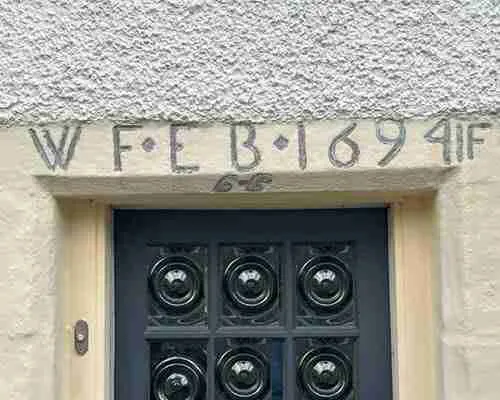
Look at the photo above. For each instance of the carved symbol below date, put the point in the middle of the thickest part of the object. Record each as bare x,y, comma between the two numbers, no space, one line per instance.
255,183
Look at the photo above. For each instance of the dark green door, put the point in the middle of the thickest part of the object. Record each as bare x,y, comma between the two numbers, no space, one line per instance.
251,305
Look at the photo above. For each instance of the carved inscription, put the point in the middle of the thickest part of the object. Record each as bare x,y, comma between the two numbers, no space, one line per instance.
255,183
118,147
396,142
248,143
441,133
301,131
56,155
246,150
176,147
343,137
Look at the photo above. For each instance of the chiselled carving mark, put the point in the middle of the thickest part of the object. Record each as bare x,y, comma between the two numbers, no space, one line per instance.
460,143
249,144
472,140
226,183
281,142
301,133
60,155
446,139
118,148
397,142
344,138
255,183
177,147
148,145
462,139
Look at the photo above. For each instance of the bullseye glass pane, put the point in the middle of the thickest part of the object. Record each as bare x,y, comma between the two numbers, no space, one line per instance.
250,283
325,284
325,369
249,369
178,370
177,286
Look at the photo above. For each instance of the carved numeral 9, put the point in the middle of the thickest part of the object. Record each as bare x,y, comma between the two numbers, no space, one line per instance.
397,142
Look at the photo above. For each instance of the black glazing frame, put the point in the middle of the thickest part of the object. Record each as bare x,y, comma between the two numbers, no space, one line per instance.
353,226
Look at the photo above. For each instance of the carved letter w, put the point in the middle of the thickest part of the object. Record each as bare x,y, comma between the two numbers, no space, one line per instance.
61,154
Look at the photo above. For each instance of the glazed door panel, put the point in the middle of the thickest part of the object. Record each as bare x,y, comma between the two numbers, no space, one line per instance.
252,305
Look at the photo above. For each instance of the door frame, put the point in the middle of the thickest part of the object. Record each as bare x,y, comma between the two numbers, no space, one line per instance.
85,282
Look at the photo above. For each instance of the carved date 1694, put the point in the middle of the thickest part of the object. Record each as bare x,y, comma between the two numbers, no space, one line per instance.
457,142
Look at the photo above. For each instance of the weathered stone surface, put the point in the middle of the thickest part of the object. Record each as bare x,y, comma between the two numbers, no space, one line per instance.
474,363
468,194
28,228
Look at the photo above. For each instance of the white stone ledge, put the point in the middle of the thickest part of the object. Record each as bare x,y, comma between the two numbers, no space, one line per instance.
366,180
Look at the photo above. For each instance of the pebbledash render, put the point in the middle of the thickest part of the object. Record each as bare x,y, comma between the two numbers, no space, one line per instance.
249,104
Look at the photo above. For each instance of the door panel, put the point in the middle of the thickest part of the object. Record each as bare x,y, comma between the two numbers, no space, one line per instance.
252,305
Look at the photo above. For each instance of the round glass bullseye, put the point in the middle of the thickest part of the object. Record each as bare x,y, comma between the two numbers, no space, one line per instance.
243,374
325,284
177,284
178,378
177,385
325,373
250,283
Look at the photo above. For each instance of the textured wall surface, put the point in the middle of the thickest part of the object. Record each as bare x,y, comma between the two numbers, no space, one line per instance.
30,226
258,59
203,60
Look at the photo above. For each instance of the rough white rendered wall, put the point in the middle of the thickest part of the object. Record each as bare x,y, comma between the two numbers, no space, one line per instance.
217,60
258,59
28,247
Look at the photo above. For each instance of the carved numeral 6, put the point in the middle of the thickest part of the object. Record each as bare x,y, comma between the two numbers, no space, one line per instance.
343,137
226,183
